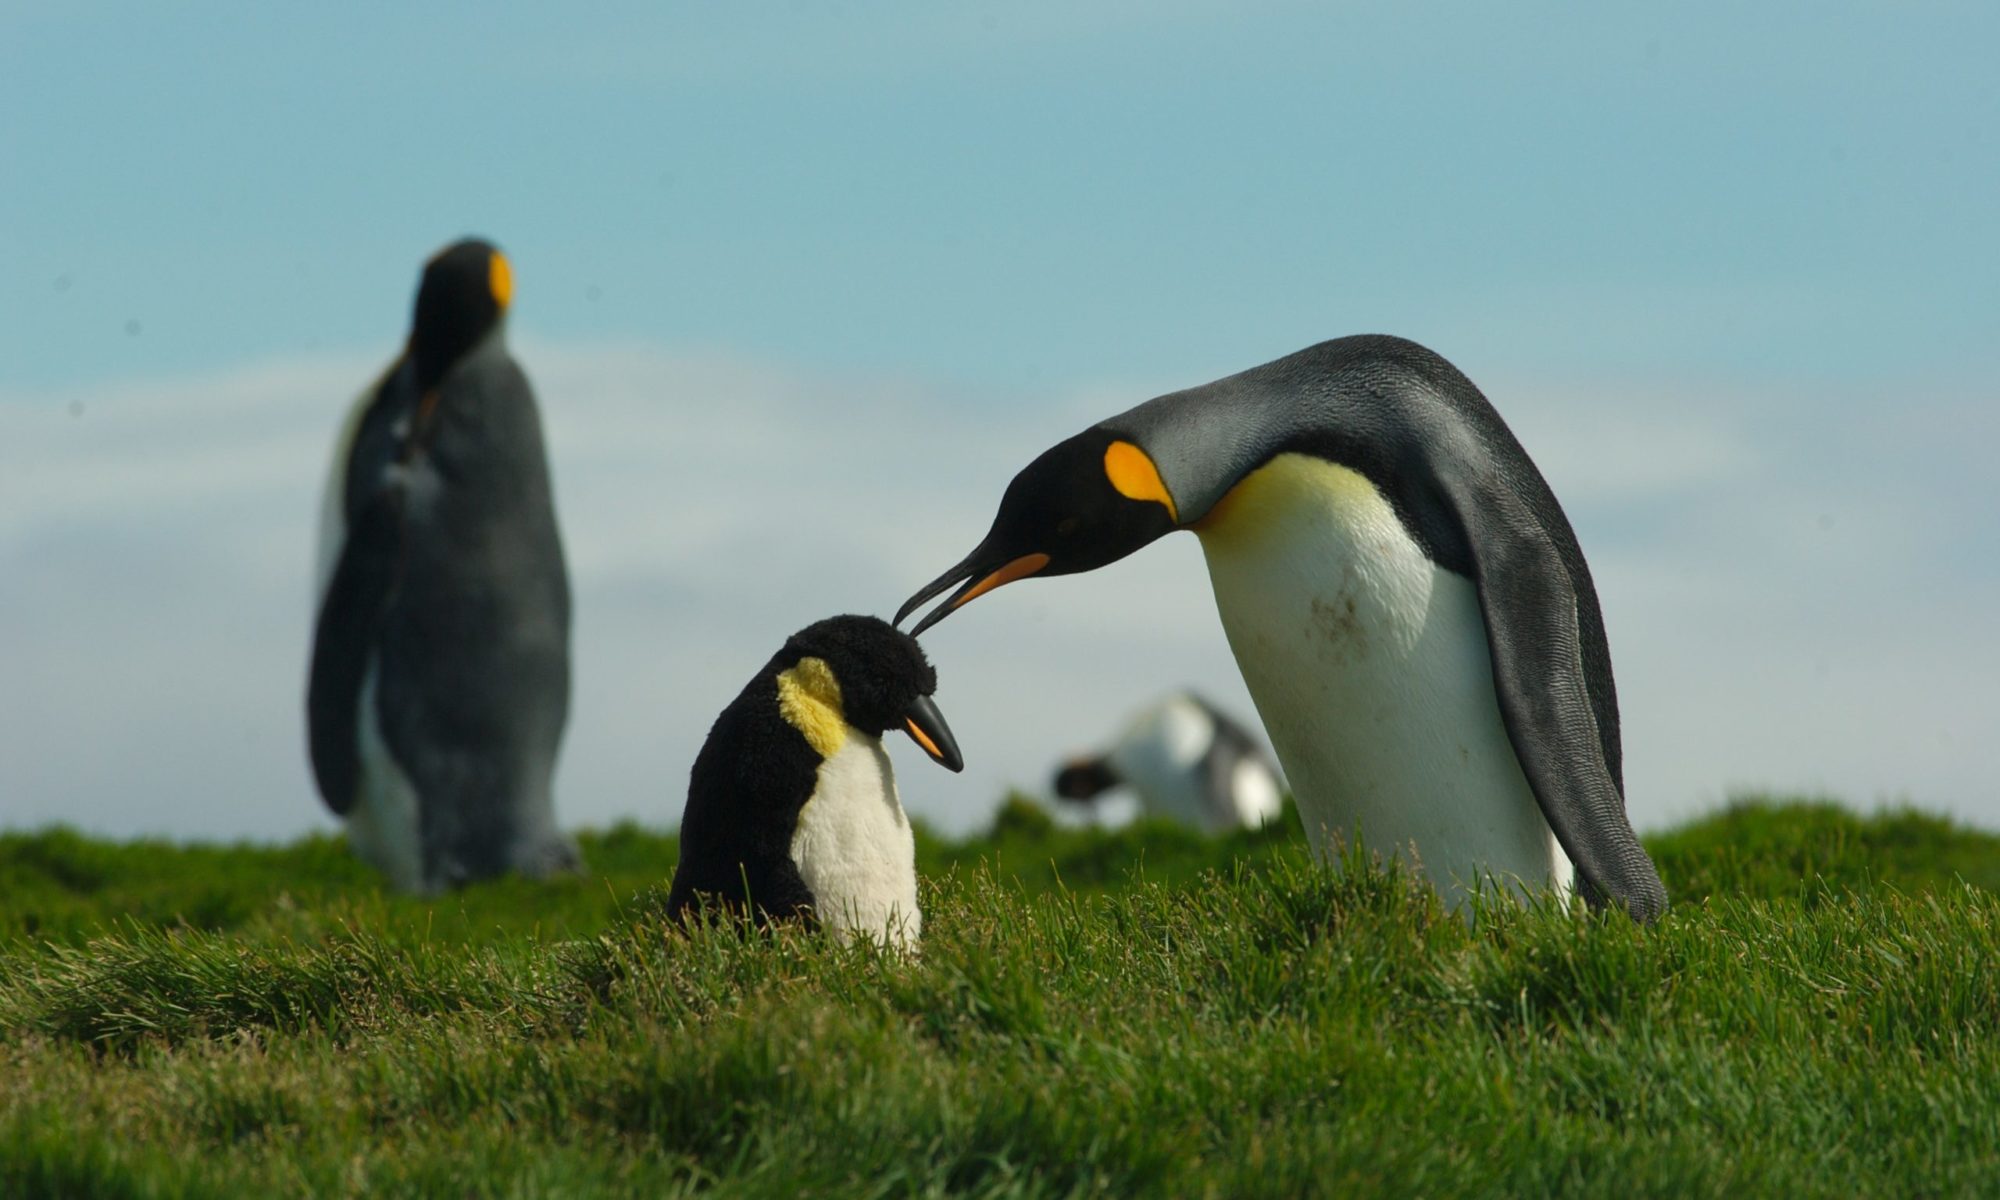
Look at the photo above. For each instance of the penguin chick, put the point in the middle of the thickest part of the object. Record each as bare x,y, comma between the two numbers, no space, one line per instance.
792,808
1186,761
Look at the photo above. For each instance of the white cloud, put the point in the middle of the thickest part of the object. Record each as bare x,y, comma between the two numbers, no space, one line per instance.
1798,586
1789,593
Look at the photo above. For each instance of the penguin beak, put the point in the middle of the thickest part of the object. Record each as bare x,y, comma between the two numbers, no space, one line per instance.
977,575
926,727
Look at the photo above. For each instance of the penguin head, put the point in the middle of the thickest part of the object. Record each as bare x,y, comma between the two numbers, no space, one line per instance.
884,680
1086,502
1083,779
464,295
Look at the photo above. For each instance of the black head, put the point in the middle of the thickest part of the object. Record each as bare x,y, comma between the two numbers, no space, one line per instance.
1085,779
465,292
885,680
1084,503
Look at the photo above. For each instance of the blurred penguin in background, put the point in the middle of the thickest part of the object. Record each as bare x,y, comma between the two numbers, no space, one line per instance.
1186,761
440,665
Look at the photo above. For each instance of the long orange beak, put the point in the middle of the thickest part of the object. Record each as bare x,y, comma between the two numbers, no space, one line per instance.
975,586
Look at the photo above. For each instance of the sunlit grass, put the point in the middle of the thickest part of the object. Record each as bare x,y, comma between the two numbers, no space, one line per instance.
1816,1016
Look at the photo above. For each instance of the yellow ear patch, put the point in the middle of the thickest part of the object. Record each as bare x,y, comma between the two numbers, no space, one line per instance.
809,701
1132,472
500,278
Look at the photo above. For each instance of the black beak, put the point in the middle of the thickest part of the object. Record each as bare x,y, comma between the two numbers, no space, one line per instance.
926,727
977,574
961,573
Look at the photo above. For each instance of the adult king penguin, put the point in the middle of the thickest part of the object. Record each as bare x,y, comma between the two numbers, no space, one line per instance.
792,803
1403,594
1187,761
440,664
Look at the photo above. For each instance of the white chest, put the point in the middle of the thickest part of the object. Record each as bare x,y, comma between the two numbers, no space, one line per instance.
854,848
1161,754
1371,670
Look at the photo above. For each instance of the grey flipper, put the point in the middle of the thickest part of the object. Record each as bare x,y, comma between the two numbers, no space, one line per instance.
1232,745
350,620
1219,773
1232,737
1538,649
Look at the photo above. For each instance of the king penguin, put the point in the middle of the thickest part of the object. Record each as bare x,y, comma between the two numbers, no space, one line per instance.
792,803
1187,761
440,670
1404,597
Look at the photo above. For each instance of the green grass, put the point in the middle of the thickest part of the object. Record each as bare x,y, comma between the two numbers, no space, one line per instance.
1138,1012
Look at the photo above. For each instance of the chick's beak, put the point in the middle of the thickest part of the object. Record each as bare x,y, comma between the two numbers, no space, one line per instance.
926,727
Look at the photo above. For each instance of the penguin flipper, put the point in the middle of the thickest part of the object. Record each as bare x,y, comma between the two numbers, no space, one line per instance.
1220,770
785,896
1532,628
343,644
750,780
1234,734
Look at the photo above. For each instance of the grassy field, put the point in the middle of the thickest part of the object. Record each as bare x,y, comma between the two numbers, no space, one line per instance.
1140,1012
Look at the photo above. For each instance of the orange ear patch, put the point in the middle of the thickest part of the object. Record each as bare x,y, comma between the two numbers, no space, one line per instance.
1132,472
500,277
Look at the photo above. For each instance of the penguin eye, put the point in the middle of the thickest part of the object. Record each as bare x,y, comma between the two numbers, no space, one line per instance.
1067,526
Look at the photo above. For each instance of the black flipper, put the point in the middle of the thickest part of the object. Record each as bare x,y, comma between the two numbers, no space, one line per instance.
749,783
1221,770
773,891
343,640
1539,676
1233,734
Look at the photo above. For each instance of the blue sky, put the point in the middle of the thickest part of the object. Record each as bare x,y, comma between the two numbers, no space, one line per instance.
1730,270
1759,191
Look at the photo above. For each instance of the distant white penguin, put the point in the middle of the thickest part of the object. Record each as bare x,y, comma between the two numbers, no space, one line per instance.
1186,761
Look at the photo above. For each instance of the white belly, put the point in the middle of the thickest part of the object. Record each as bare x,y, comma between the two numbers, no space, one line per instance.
1254,799
854,848
383,827
1160,757
1370,668
1163,756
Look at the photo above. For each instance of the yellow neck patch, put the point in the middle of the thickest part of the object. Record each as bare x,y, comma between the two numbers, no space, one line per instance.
809,701
1132,472
500,278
